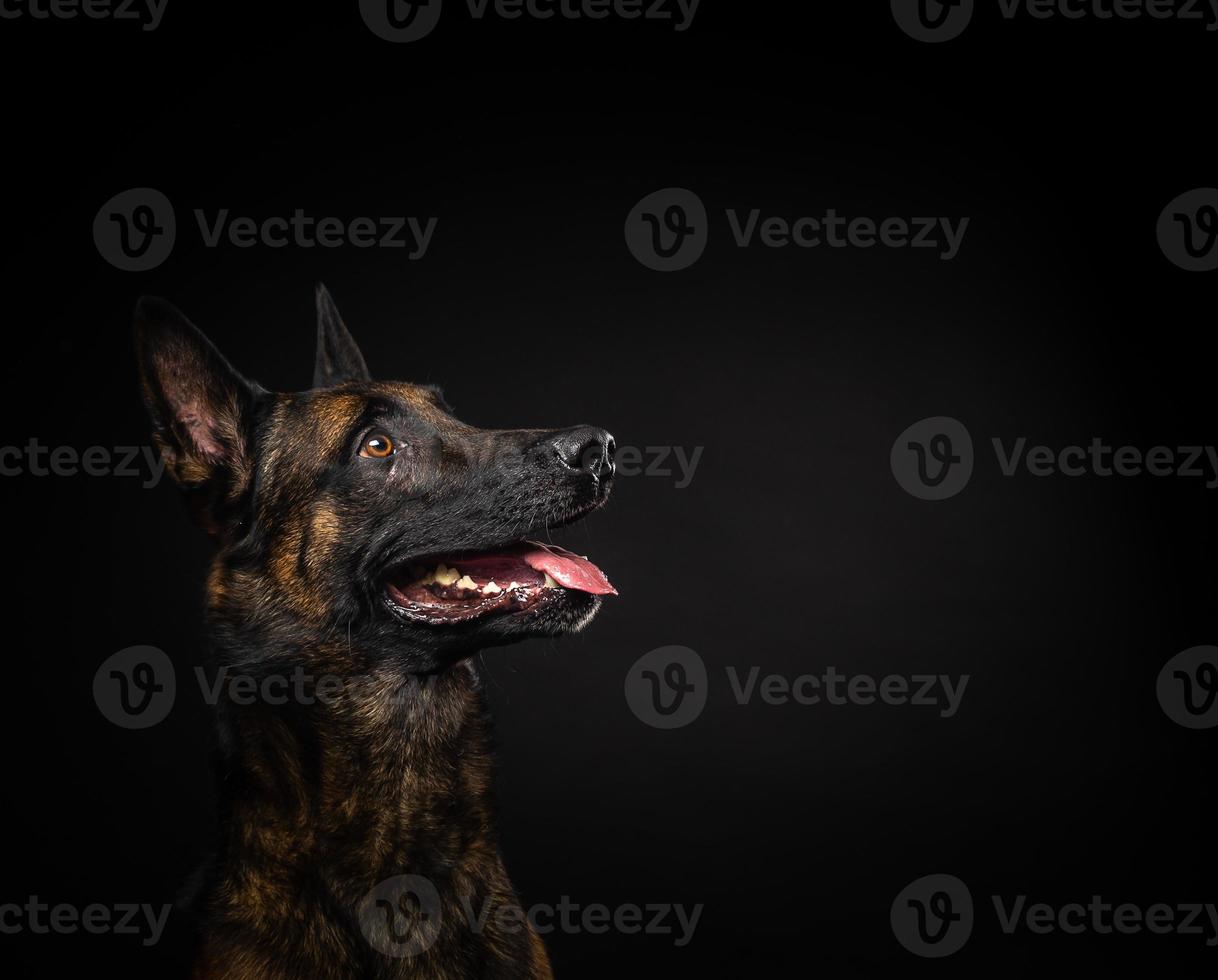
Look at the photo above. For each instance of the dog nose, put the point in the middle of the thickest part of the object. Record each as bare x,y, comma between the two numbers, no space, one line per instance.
586,449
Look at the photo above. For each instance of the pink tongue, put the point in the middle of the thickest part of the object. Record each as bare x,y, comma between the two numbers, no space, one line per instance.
568,570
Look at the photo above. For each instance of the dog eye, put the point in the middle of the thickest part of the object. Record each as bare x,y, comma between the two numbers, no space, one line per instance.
377,445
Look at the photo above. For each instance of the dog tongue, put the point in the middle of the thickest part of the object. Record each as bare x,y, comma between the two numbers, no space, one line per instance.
568,570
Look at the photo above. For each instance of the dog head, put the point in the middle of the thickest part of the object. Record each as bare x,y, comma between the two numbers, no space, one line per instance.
365,512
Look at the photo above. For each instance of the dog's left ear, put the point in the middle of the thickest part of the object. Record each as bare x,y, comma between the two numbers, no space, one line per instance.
338,357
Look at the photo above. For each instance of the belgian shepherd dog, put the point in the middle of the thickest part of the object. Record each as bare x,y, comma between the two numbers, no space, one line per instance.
367,544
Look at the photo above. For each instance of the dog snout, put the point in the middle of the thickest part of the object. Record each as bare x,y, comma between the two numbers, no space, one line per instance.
586,449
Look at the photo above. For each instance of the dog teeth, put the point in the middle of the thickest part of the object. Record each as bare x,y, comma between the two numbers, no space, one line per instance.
444,576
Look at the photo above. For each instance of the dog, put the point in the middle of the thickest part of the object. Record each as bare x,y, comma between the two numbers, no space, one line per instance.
369,543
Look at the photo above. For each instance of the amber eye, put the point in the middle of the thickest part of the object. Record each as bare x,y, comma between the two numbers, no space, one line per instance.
377,445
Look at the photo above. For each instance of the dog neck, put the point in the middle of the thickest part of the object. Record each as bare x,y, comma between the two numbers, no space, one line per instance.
360,780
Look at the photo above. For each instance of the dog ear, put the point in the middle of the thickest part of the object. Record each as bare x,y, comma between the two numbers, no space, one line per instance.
202,410
338,356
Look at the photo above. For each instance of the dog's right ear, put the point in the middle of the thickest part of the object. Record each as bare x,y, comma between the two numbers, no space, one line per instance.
202,410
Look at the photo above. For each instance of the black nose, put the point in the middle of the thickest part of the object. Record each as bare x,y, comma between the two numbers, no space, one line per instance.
587,449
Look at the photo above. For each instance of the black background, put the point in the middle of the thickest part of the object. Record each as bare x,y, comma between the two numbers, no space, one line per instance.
792,549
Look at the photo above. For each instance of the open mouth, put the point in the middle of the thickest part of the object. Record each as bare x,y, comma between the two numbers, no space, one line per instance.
469,585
